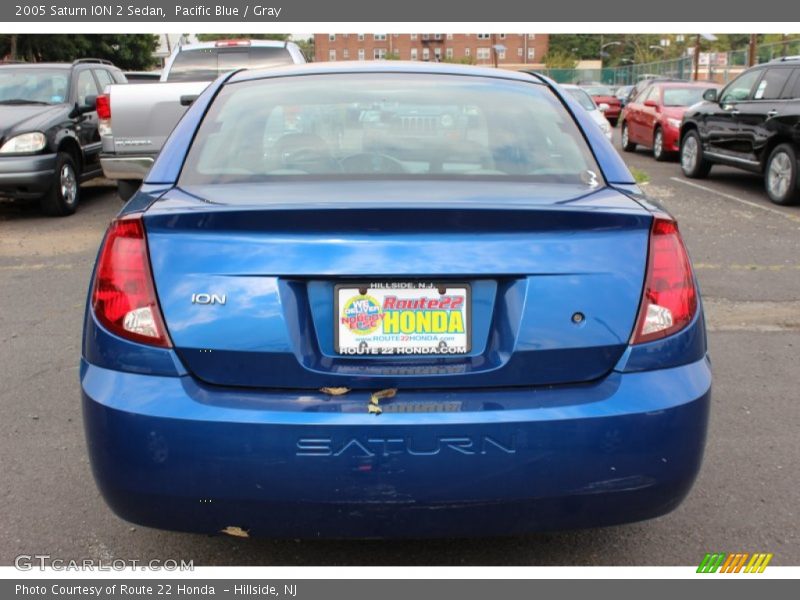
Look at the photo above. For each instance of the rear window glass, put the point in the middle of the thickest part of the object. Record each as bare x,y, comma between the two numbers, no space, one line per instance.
206,64
598,90
683,96
582,97
387,125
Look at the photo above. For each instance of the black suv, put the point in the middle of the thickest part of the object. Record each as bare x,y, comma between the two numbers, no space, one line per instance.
753,123
49,142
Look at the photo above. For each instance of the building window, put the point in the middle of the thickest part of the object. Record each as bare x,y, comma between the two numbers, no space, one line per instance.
502,36
501,54
519,52
379,37
345,54
426,54
449,53
437,36
483,53
426,37
379,53
360,37
531,53
413,36
531,36
413,54
331,54
484,36
437,53
360,54
467,51
449,36
331,37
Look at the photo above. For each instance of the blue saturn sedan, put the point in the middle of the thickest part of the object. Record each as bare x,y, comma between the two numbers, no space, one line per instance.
392,300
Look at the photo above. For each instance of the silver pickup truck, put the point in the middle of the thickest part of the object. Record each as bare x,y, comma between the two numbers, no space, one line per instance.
136,119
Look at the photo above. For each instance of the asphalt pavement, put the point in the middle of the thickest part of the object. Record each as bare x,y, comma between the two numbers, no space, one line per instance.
747,256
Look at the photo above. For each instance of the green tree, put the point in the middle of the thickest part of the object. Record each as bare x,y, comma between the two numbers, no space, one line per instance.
560,59
307,48
210,37
127,51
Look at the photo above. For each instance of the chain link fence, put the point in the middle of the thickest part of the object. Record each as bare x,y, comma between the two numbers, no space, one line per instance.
719,67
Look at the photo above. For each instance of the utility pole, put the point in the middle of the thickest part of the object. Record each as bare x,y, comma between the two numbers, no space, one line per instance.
696,58
751,58
494,49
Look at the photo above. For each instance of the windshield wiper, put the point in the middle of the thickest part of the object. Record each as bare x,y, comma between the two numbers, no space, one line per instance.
24,101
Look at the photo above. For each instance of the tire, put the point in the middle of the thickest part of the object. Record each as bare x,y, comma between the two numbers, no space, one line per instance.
64,195
658,145
780,175
627,145
693,163
126,188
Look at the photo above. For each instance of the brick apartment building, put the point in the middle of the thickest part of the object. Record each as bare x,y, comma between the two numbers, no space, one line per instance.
514,50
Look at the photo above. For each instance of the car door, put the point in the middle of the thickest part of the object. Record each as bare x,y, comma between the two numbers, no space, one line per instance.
721,123
633,119
649,115
756,115
85,85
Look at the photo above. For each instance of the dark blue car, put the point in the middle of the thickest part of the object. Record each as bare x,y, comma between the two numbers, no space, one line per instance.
392,300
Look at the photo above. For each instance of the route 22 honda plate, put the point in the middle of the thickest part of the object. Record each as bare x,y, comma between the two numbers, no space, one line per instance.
402,318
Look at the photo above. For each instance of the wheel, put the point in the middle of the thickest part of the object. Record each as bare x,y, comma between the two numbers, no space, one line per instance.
658,145
693,163
126,188
627,145
780,175
63,196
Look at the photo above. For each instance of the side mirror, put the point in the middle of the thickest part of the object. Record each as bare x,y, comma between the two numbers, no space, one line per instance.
603,107
187,99
90,104
710,95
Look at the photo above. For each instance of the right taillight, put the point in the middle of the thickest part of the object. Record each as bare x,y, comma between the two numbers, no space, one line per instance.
104,114
669,300
124,296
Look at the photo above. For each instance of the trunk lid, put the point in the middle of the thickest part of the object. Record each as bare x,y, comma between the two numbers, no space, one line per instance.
266,262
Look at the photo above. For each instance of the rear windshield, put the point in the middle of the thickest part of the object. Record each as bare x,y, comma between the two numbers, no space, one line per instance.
683,96
584,99
206,64
387,125
598,90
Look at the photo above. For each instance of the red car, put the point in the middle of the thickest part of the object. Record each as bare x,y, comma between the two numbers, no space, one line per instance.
601,95
653,118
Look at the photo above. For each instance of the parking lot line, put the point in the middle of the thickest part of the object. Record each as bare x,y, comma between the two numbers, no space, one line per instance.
769,209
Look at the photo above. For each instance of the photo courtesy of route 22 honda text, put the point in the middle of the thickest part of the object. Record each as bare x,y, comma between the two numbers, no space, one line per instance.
392,299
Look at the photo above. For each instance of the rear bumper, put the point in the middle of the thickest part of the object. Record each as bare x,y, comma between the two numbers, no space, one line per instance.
126,167
26,176
168,453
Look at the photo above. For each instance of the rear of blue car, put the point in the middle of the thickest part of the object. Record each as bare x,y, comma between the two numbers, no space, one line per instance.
392,301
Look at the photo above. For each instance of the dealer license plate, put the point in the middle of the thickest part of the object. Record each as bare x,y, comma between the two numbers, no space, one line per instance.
402,318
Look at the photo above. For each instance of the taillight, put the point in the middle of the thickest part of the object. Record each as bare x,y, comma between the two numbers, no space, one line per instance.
124,297
669,300
103,107
104,114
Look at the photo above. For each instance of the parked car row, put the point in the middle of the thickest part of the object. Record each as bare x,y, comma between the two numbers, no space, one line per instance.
753,123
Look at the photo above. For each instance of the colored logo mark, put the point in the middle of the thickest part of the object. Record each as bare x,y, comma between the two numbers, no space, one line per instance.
735,562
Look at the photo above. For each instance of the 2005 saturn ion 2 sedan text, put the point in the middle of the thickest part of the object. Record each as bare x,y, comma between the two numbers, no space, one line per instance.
392,300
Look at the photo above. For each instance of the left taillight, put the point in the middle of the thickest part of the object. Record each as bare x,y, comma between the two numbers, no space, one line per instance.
104,114
669,300
124,296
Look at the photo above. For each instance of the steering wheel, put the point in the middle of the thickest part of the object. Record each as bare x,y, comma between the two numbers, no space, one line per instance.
371,162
